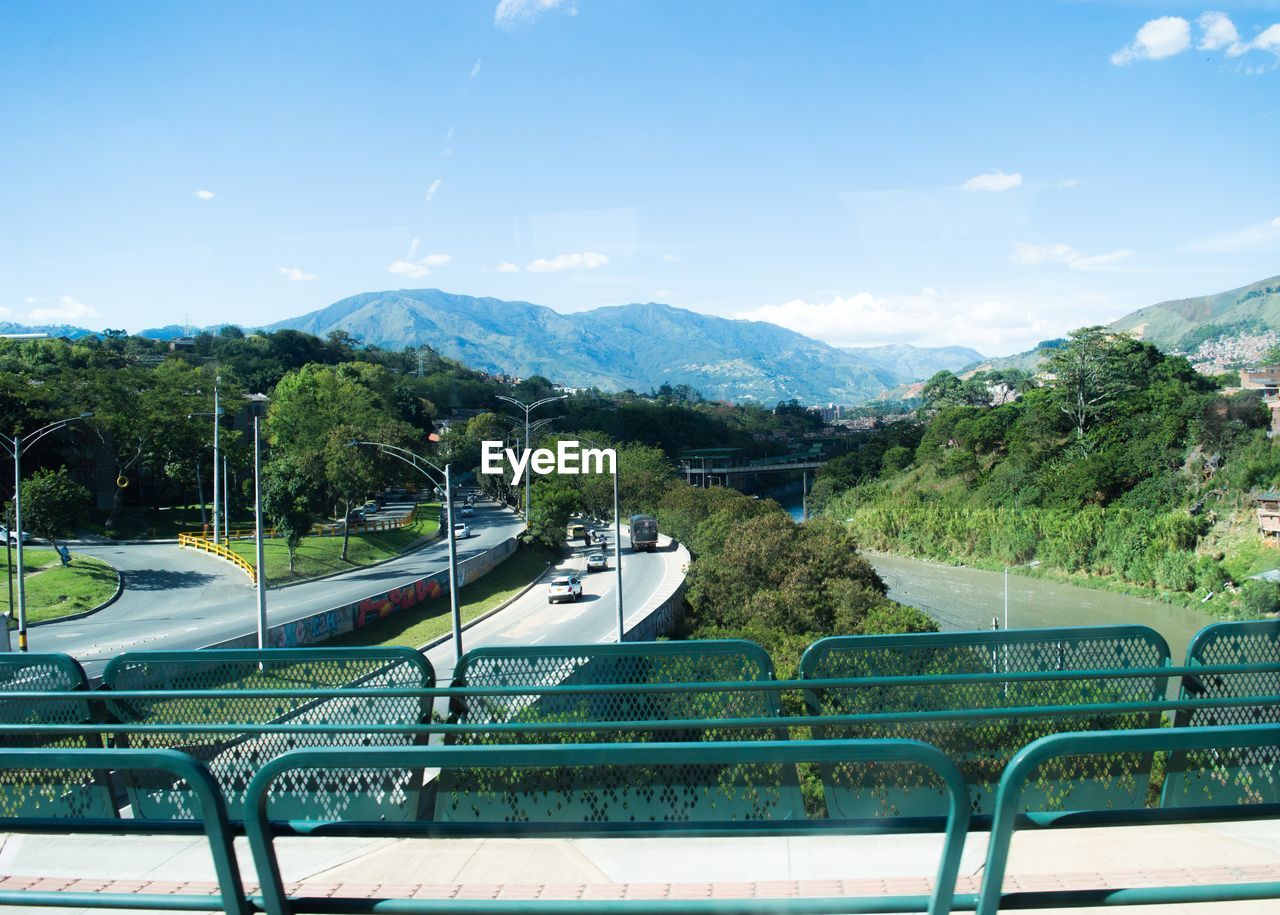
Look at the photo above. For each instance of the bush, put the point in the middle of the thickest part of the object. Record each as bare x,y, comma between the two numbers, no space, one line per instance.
890,618
1260,598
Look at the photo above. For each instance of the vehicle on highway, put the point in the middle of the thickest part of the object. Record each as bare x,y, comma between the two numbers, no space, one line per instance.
355,516
12,536
564,587
644,533
461,531
578,532
597,563
370,506
467,511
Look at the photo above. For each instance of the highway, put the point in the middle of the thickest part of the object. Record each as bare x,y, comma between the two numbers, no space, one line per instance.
530,620
207,601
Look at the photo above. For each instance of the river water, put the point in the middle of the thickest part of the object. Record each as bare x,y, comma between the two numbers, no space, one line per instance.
958,597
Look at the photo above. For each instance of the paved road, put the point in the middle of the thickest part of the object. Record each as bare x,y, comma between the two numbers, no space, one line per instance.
203,604
592,618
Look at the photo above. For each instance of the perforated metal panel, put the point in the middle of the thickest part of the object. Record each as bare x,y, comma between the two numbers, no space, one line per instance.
233,760
640,793
45,792
1226,775
981,747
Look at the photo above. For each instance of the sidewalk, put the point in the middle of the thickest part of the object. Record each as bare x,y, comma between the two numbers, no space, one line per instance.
677,868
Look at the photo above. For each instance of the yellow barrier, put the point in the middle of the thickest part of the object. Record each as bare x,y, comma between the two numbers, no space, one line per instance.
217,549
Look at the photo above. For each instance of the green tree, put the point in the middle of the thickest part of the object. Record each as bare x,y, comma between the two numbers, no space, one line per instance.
286,495
53,504
554,502
1089,375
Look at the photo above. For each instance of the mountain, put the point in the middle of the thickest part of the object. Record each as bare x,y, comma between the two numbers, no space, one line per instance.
913,363
638,346
1184,324
52,330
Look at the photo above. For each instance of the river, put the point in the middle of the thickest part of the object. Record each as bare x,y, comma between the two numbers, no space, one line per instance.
959,597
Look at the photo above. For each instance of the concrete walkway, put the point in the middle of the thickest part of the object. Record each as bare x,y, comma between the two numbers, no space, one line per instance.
677,868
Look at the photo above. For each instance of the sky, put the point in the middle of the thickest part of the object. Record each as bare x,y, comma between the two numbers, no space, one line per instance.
946,173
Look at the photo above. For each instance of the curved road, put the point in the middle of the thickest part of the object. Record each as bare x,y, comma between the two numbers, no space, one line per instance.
214,601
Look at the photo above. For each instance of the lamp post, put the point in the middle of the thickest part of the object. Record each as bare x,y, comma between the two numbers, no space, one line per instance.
217,415
17,444
529,408
259,402
416,461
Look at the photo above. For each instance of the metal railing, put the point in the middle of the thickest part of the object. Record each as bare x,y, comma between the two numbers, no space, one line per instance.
197,542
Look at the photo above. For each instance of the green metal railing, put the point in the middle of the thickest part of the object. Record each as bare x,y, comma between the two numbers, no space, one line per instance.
514,768
1028,761
212,821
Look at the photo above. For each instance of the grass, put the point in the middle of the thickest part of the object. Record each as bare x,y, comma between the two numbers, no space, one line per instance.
53,591
320,556
418,625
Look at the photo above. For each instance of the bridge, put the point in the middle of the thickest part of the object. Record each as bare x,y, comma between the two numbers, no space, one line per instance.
715,466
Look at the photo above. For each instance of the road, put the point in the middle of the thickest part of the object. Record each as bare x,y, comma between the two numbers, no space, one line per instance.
207,601
530,620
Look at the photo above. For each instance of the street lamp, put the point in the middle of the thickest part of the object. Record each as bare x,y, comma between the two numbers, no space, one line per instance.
416,461
529,408
259,402
617,540
16,445
217,415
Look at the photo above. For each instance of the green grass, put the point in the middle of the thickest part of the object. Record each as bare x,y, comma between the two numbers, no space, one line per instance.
54,591
418,625
319,556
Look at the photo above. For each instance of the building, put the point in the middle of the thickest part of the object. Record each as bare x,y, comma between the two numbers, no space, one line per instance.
1268,507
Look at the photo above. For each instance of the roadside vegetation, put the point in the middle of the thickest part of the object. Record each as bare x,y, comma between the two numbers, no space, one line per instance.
54,591
1117,466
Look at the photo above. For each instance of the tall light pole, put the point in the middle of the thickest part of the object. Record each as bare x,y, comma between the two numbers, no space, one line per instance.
259,402
617,541
416,461
529,408
217,415
16,444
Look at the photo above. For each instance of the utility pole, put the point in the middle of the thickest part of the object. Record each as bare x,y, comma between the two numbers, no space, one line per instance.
528,408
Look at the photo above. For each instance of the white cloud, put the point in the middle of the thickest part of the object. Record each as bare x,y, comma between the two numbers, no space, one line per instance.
929,318
587,260
670,258
1217,31
435,186
1024,253
1156,40
662,293
511,14
1268,40
206,195
412,269
1259,235
475,71
993,181
1067,183
436,260
68,309
508,267
31,300
296,274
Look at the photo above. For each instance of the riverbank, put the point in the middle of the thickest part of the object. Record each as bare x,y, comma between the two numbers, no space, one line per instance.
963,597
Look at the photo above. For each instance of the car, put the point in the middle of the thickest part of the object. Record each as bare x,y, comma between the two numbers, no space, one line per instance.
12,536
355,516
370,507
461,531
564,587
578,532
467,511
597,563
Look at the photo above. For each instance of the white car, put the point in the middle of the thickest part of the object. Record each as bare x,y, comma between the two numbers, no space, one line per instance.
11,536
564,587
461,531
597,563
467,511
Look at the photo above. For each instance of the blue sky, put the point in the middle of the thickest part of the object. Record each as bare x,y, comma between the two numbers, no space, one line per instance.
934,173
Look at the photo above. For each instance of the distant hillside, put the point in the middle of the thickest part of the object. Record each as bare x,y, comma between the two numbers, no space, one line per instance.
638,346
53,330
915,363
1183,324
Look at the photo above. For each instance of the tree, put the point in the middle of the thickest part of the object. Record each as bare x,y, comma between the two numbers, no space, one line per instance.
554,502
1089,375
53,504
286,494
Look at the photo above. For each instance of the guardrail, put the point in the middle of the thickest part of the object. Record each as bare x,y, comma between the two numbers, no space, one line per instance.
217,549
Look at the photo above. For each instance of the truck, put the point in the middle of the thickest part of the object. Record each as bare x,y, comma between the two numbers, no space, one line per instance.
644,533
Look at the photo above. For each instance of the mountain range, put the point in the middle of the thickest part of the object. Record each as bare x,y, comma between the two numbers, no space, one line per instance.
637,346
1183,324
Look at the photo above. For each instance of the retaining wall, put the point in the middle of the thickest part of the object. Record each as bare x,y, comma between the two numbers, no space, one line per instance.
665,607
318,627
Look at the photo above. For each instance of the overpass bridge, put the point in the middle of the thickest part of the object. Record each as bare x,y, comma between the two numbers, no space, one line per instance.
717,466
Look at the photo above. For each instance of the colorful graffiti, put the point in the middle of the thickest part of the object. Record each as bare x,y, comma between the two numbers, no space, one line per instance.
372,609
311,629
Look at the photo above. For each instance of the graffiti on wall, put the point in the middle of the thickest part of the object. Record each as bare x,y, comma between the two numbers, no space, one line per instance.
372,609
311,629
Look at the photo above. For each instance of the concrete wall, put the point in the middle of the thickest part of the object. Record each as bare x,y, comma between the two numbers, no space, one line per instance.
665,607
318,627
